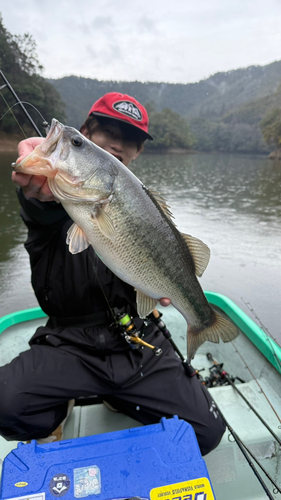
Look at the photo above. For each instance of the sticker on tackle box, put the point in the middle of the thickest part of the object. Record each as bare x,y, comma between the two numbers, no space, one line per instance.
195,489
87,481
37,496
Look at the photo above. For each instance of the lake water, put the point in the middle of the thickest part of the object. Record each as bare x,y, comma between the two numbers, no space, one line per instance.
230,202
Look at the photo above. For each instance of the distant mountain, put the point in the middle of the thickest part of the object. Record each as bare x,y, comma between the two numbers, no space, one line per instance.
232,89
254,111
241,96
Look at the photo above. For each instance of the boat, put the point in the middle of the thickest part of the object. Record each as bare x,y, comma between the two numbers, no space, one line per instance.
244,378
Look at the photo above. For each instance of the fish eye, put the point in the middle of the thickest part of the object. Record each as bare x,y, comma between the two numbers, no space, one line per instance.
77,141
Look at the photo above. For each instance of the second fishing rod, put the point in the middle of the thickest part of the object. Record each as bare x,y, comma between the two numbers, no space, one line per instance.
21,103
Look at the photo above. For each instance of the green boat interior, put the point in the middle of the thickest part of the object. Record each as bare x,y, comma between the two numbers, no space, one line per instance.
253,357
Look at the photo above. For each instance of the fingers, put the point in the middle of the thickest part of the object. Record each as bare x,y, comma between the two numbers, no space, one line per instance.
21,180
25,147
165,302
33,186
44,193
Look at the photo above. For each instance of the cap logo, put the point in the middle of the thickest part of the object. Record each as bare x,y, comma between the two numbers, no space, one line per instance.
129,109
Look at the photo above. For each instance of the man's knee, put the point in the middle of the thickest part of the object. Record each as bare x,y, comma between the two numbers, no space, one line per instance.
209,436
12,405
11,402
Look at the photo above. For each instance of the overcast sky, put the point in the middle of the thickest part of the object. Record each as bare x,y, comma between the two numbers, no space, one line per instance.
147,40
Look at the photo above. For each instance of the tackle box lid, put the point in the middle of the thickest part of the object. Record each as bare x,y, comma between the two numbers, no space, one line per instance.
156,462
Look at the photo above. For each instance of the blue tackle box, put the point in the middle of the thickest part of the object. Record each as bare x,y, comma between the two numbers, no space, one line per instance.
154,462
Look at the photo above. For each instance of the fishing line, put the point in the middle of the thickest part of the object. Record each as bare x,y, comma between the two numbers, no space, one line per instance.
10,109
129,327
236,438
226,377
101,287
45,123
9,86
257,382
245,449
265,330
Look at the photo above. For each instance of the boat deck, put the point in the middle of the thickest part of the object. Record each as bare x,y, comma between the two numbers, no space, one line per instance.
230,474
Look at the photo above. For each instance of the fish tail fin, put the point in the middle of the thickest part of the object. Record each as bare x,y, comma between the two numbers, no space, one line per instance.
219,328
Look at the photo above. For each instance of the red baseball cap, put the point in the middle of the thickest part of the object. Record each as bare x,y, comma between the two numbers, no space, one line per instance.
124,108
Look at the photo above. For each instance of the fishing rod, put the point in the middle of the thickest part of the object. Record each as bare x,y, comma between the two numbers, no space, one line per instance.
244,449
156,317
219,377
225,376
257,382
20,103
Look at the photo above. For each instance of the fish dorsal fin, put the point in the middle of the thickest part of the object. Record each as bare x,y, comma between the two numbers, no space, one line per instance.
104,222
162,202
145,304
199,251
76,239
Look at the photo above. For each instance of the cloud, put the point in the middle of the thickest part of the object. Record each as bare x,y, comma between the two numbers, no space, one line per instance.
148,40
147,25
102,23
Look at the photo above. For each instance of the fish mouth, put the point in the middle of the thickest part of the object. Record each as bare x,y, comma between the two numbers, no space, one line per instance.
53,137
42,160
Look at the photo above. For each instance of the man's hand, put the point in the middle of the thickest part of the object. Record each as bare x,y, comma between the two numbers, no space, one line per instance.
33,186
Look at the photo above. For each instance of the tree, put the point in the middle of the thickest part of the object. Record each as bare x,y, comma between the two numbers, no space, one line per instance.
25,49
19,62
271,127
205,133
169,129
271,131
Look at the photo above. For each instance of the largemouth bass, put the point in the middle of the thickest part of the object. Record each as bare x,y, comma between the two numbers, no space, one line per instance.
130,228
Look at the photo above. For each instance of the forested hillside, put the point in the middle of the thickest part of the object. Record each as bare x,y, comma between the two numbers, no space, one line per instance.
224,111
20,65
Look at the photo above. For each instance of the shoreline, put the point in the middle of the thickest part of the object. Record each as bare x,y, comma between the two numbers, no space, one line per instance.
9,144
163,151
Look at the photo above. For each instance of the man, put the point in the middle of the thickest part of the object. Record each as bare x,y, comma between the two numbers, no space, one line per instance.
80,352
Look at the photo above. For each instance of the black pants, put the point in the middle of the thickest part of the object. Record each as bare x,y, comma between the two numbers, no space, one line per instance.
36,386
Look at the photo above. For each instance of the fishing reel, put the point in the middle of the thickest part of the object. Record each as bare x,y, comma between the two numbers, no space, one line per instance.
132,334
218,376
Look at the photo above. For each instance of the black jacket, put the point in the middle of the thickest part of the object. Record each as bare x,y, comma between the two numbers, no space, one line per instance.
66,284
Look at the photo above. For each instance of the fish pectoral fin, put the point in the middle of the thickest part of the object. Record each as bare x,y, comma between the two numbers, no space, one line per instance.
104,222
219,329
200,253
76,239
145,304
